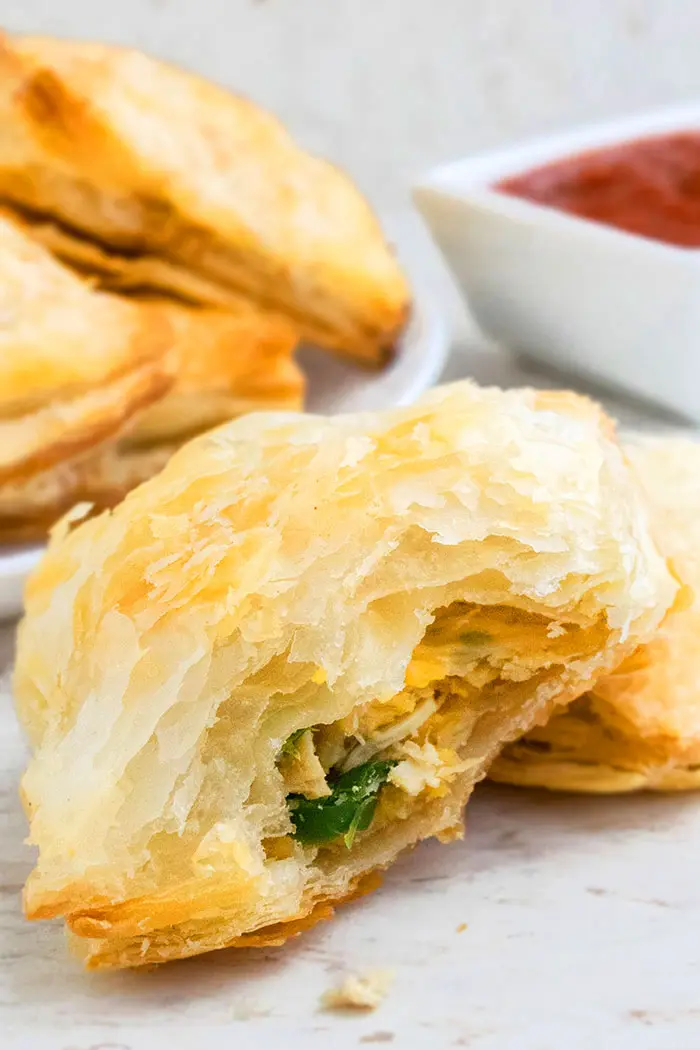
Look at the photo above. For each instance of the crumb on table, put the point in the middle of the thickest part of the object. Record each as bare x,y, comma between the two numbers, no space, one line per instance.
359,991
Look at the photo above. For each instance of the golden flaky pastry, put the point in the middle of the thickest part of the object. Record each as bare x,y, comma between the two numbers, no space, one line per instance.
143,171
101,478
292,653
640,726
75,364
224,363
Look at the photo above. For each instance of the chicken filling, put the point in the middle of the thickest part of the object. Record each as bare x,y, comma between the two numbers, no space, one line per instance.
339,778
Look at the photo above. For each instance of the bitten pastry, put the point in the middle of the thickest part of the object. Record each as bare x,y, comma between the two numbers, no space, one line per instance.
640,726
152,178
292,653
75,364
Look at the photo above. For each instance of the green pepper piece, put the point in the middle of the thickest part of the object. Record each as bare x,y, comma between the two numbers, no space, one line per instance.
348,809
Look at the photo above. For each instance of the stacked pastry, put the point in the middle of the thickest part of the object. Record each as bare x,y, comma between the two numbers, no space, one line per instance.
214,365
199,210
293,653
76,365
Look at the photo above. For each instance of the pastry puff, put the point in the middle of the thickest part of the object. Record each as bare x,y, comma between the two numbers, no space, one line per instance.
640,726
75,364
100,479
151,177
291,655
224,363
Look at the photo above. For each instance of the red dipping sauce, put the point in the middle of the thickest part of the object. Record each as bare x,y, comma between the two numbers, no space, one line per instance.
648,186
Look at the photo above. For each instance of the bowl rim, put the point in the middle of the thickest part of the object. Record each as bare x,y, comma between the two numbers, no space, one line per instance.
472,180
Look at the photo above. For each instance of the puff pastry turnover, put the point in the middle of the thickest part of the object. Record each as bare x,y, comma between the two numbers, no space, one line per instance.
640,726
154,178
75,364
224,363
292,653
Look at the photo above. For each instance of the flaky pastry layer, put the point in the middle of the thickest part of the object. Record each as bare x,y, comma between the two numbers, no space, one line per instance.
75,364
151,163
97,447
640,726
291,655
226,363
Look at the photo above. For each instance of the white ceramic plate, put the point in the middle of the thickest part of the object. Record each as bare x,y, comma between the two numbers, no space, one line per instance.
334,386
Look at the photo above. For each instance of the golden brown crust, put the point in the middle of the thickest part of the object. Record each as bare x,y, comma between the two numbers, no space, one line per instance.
101,954
292,571
75,364
639,727
226,363
144,158
29,509
223,363
136,273
30,505
60,338
32,444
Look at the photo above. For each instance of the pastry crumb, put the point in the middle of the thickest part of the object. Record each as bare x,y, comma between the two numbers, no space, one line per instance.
363,991
461,928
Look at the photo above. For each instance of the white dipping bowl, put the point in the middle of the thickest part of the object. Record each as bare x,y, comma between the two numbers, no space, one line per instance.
574,294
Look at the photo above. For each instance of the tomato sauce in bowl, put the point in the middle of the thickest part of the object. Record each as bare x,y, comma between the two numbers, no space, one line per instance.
647,186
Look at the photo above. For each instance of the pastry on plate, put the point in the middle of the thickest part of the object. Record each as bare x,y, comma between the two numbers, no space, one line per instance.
153,178
292,653
96,480
75,364
224,363
640,726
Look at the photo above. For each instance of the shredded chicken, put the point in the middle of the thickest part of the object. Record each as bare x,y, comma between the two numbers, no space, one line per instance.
422,767
302,770
384,738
